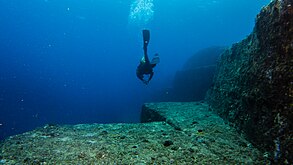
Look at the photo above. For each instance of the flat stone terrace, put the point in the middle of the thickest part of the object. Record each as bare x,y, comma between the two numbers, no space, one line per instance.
171,133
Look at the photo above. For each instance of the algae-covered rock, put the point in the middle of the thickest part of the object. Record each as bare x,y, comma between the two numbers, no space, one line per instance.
253,86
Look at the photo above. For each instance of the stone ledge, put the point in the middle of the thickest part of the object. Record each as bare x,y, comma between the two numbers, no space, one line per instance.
204,139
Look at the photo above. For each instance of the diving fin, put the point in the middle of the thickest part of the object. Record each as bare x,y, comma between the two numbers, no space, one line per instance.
146,37
156,59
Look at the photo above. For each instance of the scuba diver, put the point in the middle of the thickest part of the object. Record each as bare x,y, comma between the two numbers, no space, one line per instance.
146,66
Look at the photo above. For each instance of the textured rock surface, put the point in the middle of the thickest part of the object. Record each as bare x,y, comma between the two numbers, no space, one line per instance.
253,85
204,139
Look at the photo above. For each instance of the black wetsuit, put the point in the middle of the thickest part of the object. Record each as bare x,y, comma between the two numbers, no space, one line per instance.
145,67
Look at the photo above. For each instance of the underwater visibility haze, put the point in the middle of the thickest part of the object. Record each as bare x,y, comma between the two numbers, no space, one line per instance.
74,61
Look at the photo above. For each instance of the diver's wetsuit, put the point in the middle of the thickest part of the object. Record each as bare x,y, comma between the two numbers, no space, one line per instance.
145,67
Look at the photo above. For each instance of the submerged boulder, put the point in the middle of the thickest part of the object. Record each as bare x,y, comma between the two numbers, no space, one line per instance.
253,86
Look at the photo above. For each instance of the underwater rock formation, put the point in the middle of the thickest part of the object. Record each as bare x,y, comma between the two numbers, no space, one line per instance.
205,57
253,86
187,133
192,82
194,79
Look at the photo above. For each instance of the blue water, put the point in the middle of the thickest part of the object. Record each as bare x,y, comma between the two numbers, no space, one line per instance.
74,61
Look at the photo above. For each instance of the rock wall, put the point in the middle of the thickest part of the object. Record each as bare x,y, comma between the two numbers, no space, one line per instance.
192,85
253,85
196,77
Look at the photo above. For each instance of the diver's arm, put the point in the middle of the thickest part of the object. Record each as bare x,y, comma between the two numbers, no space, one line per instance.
143,80
140,77
151,76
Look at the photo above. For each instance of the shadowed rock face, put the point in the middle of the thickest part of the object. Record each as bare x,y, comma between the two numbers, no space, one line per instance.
203,58
253,86
195,78
192,82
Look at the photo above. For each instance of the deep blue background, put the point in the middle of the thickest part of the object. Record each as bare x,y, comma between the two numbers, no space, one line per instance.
74,61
